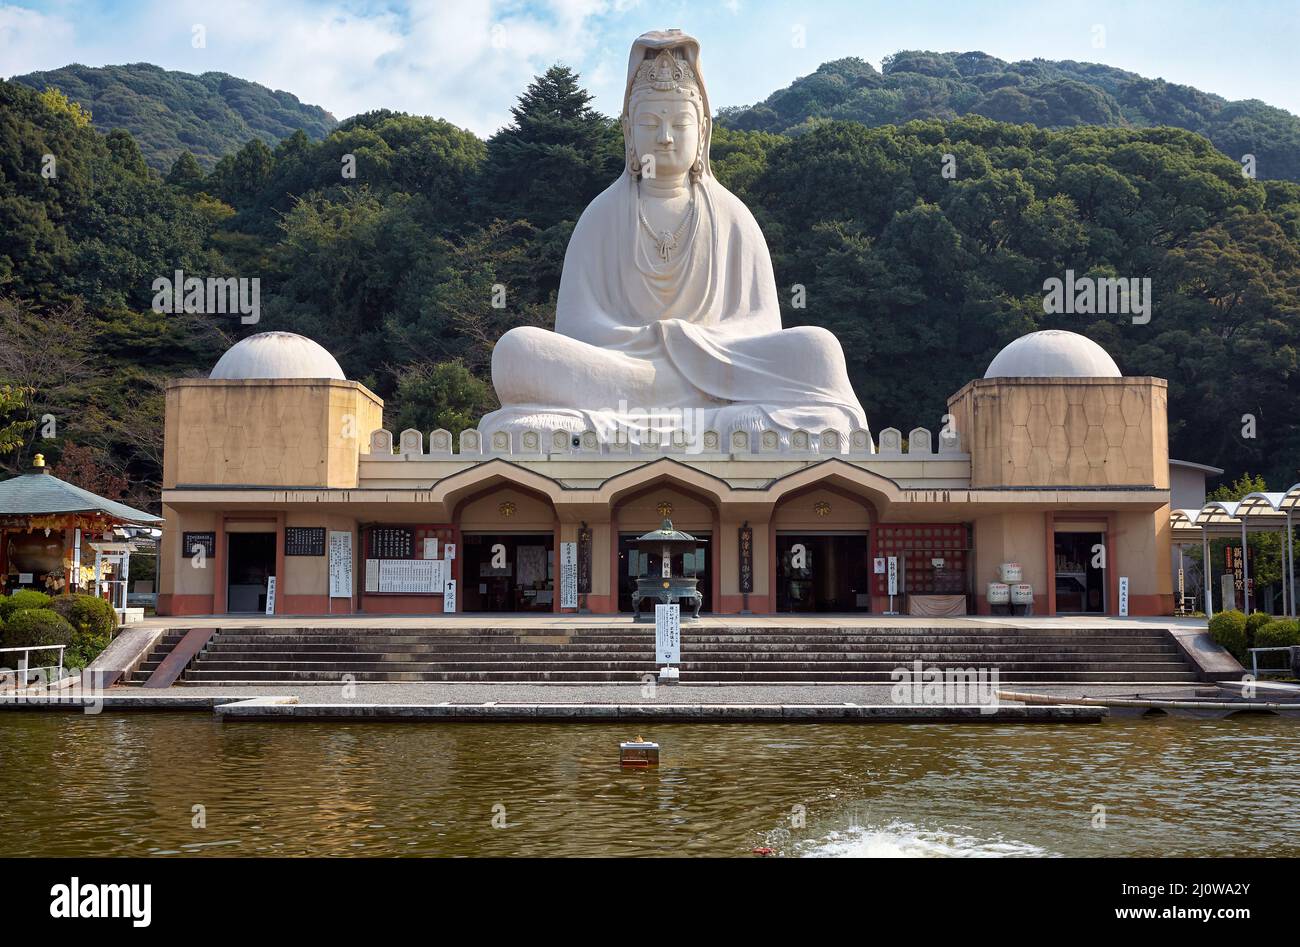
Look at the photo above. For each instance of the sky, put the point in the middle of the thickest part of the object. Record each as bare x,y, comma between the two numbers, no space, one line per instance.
468,60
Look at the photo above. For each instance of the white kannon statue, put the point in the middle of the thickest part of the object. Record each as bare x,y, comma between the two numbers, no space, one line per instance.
668,305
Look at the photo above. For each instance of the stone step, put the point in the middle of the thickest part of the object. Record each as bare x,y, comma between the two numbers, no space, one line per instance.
442,647
625,653
648,664
227,639
157,654
243,677
687,629
689,656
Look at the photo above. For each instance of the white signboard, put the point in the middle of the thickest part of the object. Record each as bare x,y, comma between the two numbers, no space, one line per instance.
372,575
449,550
411,575
668,634
893,575
340,552
1123,596
76,559
568,575
449,596
880,565
270,595
431,548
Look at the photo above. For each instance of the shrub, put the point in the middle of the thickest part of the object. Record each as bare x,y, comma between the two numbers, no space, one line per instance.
28,627
93,622
1279,633
1254,623
23,598
1228,629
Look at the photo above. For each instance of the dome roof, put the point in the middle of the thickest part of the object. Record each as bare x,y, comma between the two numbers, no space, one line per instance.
1053,353
276,355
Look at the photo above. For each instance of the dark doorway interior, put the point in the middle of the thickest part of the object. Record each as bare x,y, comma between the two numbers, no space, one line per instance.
1080,580
250,562
822,572
508,572
632,563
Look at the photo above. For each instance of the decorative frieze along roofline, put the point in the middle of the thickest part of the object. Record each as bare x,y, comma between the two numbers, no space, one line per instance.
739,445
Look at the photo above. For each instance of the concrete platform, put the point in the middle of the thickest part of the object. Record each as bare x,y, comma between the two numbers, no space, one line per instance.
266,709
730,622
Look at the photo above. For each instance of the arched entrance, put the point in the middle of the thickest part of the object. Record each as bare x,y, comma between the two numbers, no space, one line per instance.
509,547
821,538
645,509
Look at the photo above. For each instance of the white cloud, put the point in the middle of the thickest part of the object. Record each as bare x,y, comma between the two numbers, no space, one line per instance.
463,60
31,41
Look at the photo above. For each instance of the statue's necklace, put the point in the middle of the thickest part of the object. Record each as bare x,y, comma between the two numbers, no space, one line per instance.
666,242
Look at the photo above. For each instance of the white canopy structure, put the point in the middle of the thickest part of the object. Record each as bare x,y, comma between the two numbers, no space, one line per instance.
1255,512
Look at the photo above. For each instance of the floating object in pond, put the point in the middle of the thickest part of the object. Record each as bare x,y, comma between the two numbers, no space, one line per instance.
638,752
764,851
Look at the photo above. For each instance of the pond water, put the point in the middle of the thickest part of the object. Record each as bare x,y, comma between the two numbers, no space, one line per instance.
128,784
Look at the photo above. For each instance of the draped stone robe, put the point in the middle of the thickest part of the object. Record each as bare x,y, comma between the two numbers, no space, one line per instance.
699,334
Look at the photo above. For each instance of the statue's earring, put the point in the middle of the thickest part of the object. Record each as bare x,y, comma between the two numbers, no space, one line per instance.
697,169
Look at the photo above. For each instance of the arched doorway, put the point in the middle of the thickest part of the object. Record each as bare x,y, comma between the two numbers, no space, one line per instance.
645,509
821,542
509,550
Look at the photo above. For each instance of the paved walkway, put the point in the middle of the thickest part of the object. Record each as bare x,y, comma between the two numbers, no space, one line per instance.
852,620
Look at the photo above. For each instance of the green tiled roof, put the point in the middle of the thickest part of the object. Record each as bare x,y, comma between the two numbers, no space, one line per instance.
43,493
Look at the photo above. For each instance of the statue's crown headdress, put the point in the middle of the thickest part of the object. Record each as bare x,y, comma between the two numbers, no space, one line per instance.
665,73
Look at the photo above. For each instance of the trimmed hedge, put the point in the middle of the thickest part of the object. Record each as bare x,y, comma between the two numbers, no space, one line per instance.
28,627
23,598
1254,623
1279,633
93,622
1228,629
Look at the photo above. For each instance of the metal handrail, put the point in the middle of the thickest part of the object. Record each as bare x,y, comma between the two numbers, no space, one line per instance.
23,668
1256,670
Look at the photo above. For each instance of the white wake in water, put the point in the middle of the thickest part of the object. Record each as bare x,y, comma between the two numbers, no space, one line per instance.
905,840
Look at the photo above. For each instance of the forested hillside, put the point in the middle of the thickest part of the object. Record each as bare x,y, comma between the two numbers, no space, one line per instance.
208,115
922,276
1063,94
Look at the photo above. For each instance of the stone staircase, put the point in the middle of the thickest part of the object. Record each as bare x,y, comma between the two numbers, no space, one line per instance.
253,655
162,647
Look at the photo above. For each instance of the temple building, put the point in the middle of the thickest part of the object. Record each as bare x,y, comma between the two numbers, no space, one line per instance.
284,493
668,390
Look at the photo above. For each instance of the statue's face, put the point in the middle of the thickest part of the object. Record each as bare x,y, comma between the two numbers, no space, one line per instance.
665,128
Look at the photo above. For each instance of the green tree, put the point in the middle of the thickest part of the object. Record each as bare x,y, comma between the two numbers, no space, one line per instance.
13,426
56,101
556,155
186,173
440,395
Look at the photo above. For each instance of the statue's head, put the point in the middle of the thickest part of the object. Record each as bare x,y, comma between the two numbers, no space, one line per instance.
665,109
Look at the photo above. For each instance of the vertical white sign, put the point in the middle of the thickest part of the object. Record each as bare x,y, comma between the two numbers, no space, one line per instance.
668,634
893,575
340,564
449,596
568,575
431,548
270,595
449,550
1123,596
75,585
